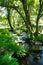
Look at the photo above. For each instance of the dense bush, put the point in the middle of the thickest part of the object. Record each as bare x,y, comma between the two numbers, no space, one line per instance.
8,46
21,51
8,60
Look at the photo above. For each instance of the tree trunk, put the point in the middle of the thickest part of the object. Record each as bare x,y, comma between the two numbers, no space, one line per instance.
8,17
38,17
27,22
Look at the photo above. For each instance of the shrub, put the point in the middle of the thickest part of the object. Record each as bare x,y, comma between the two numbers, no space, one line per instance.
8,60
8,47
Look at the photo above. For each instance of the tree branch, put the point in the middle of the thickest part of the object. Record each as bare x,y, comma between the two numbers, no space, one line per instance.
26,10
13,7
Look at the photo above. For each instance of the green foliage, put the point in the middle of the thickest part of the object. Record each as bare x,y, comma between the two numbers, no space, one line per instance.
9,46
40,37
21,51
8,60
20,16
30,2
5,37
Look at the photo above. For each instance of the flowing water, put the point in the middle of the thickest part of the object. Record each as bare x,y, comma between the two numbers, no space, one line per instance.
41,54
21,39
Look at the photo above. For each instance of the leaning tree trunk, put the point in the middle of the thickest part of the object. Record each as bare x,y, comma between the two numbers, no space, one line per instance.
8,17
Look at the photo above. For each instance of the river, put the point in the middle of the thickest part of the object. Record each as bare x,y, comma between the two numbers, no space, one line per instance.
21,39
